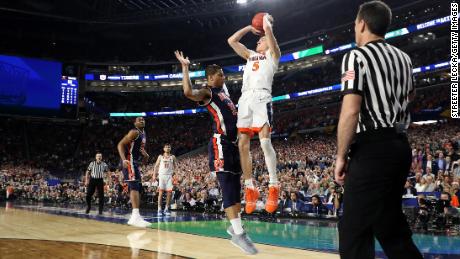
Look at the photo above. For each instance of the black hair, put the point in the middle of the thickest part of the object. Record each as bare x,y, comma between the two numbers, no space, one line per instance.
448,195
317,197
212,70
377,16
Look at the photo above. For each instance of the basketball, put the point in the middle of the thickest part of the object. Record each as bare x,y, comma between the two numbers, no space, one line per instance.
258,21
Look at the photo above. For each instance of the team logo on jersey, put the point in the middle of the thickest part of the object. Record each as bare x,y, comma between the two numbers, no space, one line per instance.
257,58
224,98
349,75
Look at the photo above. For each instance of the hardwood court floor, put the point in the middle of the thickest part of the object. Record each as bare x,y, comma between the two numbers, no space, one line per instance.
85,238
26,249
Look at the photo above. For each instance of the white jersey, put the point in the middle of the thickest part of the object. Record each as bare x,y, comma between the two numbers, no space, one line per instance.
166,165
259,71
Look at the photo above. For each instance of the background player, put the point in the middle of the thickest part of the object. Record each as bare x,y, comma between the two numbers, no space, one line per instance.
130,148
165,166
255,108
224,158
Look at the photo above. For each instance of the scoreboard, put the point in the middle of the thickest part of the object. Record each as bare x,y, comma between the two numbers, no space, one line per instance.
69,90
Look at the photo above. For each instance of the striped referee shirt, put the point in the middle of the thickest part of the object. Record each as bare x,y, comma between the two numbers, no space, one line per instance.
382,75
97,169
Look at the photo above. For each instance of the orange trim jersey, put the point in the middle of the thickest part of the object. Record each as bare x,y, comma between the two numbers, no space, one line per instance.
259,71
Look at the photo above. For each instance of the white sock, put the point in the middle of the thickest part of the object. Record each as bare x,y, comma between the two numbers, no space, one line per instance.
270,159
237,227
135,213
248,183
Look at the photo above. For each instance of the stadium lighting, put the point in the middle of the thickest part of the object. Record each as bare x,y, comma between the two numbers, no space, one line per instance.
241,1
427,122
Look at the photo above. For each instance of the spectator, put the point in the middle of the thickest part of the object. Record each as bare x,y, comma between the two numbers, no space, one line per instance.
456,169
409,190
431,186
284,203
429,173
421,186
317,206
295,204
441,162
189,201
448,167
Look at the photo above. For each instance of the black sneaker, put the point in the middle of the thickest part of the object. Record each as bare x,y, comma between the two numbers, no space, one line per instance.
87,210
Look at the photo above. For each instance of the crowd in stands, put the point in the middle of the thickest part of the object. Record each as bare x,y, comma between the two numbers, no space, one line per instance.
65,148
305,170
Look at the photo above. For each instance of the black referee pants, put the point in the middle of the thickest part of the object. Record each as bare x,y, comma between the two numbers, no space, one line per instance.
374,184
92,186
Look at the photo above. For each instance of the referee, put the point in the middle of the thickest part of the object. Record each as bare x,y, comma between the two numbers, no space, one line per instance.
377,87
95,178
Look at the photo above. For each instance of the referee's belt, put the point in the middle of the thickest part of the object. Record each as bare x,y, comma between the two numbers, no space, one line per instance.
380,134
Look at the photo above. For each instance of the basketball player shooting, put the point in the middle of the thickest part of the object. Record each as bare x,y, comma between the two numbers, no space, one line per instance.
130,148
165,166
255,113
224,158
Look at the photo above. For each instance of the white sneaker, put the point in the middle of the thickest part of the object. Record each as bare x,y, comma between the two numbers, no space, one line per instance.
167,212
138,222
159,213
131,220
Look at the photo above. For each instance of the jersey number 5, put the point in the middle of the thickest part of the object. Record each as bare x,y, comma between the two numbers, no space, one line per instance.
255,66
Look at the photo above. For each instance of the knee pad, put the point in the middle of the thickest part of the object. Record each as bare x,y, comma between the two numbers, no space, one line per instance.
266,145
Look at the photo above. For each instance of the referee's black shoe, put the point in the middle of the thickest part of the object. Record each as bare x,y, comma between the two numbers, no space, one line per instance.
87,210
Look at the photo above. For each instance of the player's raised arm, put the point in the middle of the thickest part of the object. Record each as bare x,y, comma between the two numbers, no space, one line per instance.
237,46
271,40
132,134
201,95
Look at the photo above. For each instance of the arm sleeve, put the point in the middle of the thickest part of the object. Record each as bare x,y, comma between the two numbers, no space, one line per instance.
90,167
352,78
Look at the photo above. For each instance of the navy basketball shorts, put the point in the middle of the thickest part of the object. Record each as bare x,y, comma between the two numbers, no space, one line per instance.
132,176
230,184
223,155
224,159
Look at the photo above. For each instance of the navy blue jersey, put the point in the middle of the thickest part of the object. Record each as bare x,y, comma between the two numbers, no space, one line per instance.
223,114
134,148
